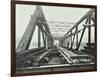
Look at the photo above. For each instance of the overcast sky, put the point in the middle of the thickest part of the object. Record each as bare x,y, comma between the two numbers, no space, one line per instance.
59,14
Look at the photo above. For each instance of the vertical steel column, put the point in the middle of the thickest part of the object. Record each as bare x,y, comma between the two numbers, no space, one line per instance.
39,37
76,37
71,38
82,35
73,41
89,30
68,42
46,37
44,40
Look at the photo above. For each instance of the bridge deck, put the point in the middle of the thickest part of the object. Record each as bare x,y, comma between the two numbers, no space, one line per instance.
56,56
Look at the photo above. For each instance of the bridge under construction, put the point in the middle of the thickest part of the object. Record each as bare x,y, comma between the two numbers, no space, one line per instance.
57,53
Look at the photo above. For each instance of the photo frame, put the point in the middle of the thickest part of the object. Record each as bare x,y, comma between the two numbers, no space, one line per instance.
52,38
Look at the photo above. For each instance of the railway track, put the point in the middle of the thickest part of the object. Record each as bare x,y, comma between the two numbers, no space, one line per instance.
54,56
54,59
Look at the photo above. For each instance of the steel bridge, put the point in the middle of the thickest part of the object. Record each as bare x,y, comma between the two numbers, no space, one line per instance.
51,57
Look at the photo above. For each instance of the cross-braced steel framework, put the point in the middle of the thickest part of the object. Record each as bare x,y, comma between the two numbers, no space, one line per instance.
53,56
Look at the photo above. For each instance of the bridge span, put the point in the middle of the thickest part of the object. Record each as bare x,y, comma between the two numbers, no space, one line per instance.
56,53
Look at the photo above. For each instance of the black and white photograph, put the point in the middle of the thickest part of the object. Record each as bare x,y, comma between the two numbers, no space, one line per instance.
50,38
